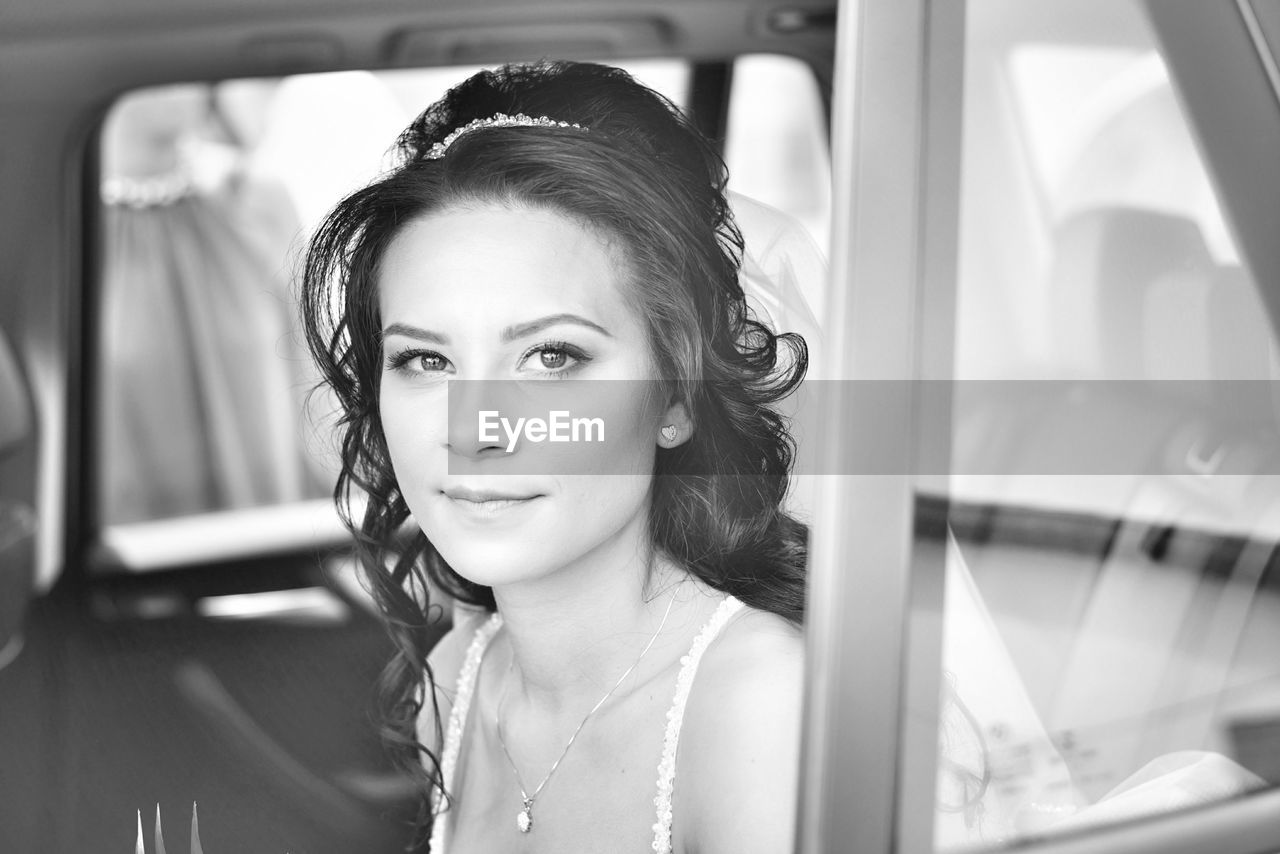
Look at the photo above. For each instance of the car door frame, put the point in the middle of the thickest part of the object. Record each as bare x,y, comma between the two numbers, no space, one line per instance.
874,640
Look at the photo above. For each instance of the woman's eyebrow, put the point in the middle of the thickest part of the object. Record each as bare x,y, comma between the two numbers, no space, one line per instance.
415,332
520,330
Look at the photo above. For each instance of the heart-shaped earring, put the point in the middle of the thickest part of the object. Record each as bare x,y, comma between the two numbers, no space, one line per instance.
670,432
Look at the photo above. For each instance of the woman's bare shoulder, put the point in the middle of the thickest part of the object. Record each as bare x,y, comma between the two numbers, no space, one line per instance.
740,742
754,650
445,662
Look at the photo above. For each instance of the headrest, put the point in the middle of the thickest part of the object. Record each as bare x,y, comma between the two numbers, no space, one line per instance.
1131,290
1138,295
1242,335
1244,353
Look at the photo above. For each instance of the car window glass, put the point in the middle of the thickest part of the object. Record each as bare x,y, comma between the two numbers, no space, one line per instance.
1112,605
776,147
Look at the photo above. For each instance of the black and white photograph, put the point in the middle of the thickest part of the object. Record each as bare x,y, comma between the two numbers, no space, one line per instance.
640,427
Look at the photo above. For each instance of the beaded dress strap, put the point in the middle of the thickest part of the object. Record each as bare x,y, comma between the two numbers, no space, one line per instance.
458,720
675,718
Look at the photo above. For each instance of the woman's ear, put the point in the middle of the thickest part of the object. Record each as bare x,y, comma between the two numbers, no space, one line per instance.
676,426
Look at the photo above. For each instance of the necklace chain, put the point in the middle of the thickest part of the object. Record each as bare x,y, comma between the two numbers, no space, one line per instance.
524,819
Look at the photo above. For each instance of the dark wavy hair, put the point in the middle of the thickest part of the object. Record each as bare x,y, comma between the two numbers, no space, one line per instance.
646,180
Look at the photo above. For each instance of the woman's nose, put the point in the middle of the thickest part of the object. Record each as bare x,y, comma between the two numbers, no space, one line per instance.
479,410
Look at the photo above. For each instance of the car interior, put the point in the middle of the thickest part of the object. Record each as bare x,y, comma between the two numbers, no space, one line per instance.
157,668
181,619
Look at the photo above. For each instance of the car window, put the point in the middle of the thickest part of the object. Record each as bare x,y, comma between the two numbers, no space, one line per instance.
1043,577
208,439
776,146
1110,612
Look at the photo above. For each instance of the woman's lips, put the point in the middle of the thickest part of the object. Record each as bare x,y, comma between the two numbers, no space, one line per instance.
481,496
484,503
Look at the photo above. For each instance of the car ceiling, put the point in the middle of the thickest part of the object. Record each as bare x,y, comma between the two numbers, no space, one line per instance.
282,36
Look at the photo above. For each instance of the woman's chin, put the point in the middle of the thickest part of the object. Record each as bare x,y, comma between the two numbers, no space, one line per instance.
491,563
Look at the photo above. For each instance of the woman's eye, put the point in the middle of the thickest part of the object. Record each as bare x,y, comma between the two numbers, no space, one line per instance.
431,362
554,358
418,362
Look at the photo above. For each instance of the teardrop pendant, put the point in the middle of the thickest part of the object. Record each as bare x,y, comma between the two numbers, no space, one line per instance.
524,820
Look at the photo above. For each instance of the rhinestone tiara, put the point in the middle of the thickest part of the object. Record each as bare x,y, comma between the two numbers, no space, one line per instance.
498,120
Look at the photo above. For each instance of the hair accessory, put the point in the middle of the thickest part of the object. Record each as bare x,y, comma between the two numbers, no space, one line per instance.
498,120
670,432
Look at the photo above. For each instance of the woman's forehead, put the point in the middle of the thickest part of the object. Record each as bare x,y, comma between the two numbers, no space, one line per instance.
496,260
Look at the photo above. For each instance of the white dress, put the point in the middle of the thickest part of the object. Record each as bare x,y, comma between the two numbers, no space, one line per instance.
675,718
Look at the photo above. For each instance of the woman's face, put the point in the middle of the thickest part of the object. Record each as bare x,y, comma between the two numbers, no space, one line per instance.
487,308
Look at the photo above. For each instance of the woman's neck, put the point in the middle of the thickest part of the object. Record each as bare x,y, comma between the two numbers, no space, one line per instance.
573,633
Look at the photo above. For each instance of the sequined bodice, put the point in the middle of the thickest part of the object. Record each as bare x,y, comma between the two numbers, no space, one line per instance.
675,717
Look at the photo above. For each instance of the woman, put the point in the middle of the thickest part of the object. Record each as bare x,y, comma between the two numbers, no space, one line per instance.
562,222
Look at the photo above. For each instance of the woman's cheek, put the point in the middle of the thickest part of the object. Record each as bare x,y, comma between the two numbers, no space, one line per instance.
414,432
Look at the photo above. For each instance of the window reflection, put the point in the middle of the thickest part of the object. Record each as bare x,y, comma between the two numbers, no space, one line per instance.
1110,636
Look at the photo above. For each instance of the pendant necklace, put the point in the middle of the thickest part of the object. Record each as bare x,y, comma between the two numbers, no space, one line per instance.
524,819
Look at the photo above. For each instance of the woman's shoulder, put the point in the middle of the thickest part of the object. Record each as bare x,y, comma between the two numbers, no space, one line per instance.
740,741
445,663
749,656
752,629
758,656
